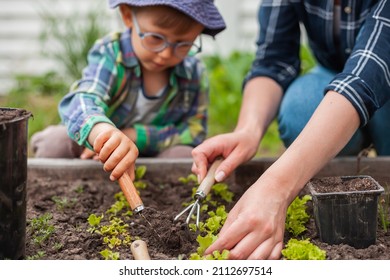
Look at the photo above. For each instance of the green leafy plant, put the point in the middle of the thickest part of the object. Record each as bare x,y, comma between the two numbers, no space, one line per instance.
94,222
79,189
297,216
209,229
222,190
109,255
384,209
140,172
39,255
63,202
139,175
57,246
191,178
41,228
67,39
303,250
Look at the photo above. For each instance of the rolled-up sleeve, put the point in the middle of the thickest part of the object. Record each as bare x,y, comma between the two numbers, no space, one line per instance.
365,79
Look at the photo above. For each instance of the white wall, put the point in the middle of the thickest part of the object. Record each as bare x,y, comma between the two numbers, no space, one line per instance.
20,27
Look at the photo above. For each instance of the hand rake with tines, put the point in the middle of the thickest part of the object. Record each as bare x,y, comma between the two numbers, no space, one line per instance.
202,191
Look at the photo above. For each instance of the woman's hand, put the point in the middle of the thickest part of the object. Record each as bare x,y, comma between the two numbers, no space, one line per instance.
236,147
255,226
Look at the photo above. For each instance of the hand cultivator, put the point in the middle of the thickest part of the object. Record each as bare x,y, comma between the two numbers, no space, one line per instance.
202,191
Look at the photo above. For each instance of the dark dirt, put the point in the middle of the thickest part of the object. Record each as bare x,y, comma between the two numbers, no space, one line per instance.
344,184
71,239
12,114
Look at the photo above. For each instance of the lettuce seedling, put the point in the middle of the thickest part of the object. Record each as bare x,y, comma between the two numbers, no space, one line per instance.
140,172
303,250
94,222
222,190
205,242
109,255
297,216
191,178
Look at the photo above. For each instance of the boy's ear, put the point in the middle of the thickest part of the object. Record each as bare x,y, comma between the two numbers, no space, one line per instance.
126,15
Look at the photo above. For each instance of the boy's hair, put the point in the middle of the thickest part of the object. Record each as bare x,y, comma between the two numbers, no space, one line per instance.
201,11
170,18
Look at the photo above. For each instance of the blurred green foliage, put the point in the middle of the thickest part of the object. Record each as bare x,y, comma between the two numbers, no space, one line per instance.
67,38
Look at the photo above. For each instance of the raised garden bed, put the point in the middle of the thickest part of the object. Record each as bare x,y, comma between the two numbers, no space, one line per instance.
71,190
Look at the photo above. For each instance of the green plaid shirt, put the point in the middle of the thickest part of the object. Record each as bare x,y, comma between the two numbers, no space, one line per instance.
110,85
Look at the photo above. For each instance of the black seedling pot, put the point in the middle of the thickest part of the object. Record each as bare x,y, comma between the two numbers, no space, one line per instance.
347,216
13,176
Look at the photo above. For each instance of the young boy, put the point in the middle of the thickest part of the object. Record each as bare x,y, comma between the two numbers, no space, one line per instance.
142,93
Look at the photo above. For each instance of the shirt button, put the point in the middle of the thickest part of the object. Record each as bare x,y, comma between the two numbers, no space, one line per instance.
348,50
77,136
347,10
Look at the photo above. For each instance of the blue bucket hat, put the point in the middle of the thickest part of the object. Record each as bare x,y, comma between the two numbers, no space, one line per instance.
202,11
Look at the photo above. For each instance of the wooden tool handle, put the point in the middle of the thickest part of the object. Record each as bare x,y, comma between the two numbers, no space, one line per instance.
140,250
130,191
209,180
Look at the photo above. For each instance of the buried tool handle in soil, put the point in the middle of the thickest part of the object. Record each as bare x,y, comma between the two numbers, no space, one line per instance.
139,249
13,177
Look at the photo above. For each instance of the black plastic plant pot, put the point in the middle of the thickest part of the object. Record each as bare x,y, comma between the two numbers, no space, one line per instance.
13,176
345,209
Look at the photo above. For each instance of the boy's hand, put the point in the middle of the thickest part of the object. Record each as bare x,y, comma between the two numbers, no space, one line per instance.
88,154
114,149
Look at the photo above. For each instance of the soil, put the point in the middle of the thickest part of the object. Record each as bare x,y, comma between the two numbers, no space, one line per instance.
344,184
71,202
8,114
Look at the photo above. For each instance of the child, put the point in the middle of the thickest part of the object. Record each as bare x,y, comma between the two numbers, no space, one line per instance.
141,93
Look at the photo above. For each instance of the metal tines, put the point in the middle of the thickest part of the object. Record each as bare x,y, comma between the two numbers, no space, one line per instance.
203,189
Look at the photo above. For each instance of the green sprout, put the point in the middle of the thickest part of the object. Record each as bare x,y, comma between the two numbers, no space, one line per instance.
41,228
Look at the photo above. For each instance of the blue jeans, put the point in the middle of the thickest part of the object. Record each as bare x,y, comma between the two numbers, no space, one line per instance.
302,98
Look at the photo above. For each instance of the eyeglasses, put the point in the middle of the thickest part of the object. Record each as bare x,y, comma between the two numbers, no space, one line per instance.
156,42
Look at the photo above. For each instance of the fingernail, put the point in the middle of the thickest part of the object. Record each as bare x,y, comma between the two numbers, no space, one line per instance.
220,176
198,179
112,178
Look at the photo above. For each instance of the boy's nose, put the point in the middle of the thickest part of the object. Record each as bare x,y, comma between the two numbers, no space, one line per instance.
168,52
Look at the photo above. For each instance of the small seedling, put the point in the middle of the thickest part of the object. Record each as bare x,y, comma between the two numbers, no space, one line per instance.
191,178
303,250
109,255
57,246
139,174
384,209
297,216
37,256
41,228
63,202
205,242
79,189
222,190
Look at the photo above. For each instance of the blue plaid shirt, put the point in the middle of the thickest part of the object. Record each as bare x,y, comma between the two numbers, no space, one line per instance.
111,83
360,53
